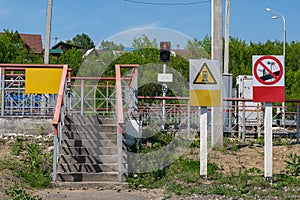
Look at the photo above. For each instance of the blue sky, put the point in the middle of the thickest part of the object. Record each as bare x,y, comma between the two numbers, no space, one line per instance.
106,19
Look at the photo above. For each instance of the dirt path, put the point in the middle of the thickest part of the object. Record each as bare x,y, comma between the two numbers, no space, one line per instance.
99,194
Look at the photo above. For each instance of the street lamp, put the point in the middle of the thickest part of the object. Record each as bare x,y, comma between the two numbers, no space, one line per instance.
276,16
279,15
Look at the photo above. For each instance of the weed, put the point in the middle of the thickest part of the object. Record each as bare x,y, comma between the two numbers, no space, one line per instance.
235,147
35,167
260,141
293,164
153,179
17,147
179,189
18,193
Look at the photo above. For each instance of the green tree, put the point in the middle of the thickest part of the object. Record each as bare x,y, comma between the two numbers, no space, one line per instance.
239,58
144,42
198,48
13,49
110,45
73,58
83,41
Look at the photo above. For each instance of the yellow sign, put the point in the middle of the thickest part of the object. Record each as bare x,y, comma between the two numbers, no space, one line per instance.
205,76
205,98
42,80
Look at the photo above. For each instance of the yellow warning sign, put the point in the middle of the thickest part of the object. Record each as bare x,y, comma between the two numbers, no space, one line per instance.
42,80
205,76
205,98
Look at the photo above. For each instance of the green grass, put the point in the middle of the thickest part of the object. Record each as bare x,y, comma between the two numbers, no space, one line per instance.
182,177
31,163
18,193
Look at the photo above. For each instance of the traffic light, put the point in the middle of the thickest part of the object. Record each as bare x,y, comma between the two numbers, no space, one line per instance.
165,48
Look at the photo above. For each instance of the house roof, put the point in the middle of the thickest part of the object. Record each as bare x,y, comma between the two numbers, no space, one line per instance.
65,46
33,41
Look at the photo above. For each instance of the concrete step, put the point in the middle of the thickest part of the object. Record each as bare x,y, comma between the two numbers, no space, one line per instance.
89,150
110,167
82,177
78,119
101,135
88,143
95,128
96,159
98,185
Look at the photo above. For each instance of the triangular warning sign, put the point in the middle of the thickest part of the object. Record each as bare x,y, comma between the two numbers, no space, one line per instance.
205,76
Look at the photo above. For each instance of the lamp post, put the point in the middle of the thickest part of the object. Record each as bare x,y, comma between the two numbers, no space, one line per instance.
279,15
276,16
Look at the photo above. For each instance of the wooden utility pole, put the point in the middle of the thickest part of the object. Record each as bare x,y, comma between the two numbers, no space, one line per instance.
216,54
48,32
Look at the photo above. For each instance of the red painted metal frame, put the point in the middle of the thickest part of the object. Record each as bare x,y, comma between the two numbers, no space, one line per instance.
60,99
66,72
119,95
118,67
162,98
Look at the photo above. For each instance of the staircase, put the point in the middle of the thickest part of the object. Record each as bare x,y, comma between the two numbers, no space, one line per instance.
89,152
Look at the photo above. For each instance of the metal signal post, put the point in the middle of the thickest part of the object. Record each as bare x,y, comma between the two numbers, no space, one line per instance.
165,48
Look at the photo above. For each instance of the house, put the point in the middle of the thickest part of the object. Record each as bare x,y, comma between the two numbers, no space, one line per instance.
65,46
61,47
32,42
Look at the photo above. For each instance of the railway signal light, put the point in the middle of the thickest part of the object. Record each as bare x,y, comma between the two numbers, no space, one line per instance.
165,51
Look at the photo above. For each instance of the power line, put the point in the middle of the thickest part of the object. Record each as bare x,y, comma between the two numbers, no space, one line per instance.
167,4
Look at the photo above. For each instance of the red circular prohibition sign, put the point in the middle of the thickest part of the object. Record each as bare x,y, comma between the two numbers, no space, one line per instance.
276,78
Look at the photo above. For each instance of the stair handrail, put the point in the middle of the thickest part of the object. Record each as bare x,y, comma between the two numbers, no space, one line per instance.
58,118
120,111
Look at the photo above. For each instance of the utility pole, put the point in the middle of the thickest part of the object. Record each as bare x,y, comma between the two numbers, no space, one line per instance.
48,32
226,48
216,54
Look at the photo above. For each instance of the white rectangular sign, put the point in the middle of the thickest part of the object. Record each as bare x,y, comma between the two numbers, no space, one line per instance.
165,77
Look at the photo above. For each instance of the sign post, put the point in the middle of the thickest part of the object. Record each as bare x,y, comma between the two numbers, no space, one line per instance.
165,52
268,86
268,142
205,90
203,141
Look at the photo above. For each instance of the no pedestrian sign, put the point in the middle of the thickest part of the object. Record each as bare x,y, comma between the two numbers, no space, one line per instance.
268,78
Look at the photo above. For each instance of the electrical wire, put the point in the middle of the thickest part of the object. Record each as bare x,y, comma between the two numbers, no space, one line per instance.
167,4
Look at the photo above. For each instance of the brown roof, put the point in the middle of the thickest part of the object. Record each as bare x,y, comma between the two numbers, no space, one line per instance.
32,41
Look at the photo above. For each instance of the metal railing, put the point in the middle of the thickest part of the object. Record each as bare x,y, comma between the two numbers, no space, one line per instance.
86,97
14,100
128,105
59,117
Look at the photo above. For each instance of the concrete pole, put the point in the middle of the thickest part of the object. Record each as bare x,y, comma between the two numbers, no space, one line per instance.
216,54
268,143
226,48
48,32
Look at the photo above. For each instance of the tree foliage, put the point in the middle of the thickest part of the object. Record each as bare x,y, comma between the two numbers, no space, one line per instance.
83,41
199,48
73,58
110,45
14,50
146,53
144,42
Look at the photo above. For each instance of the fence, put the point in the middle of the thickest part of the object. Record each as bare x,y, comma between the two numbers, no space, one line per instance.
93,95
